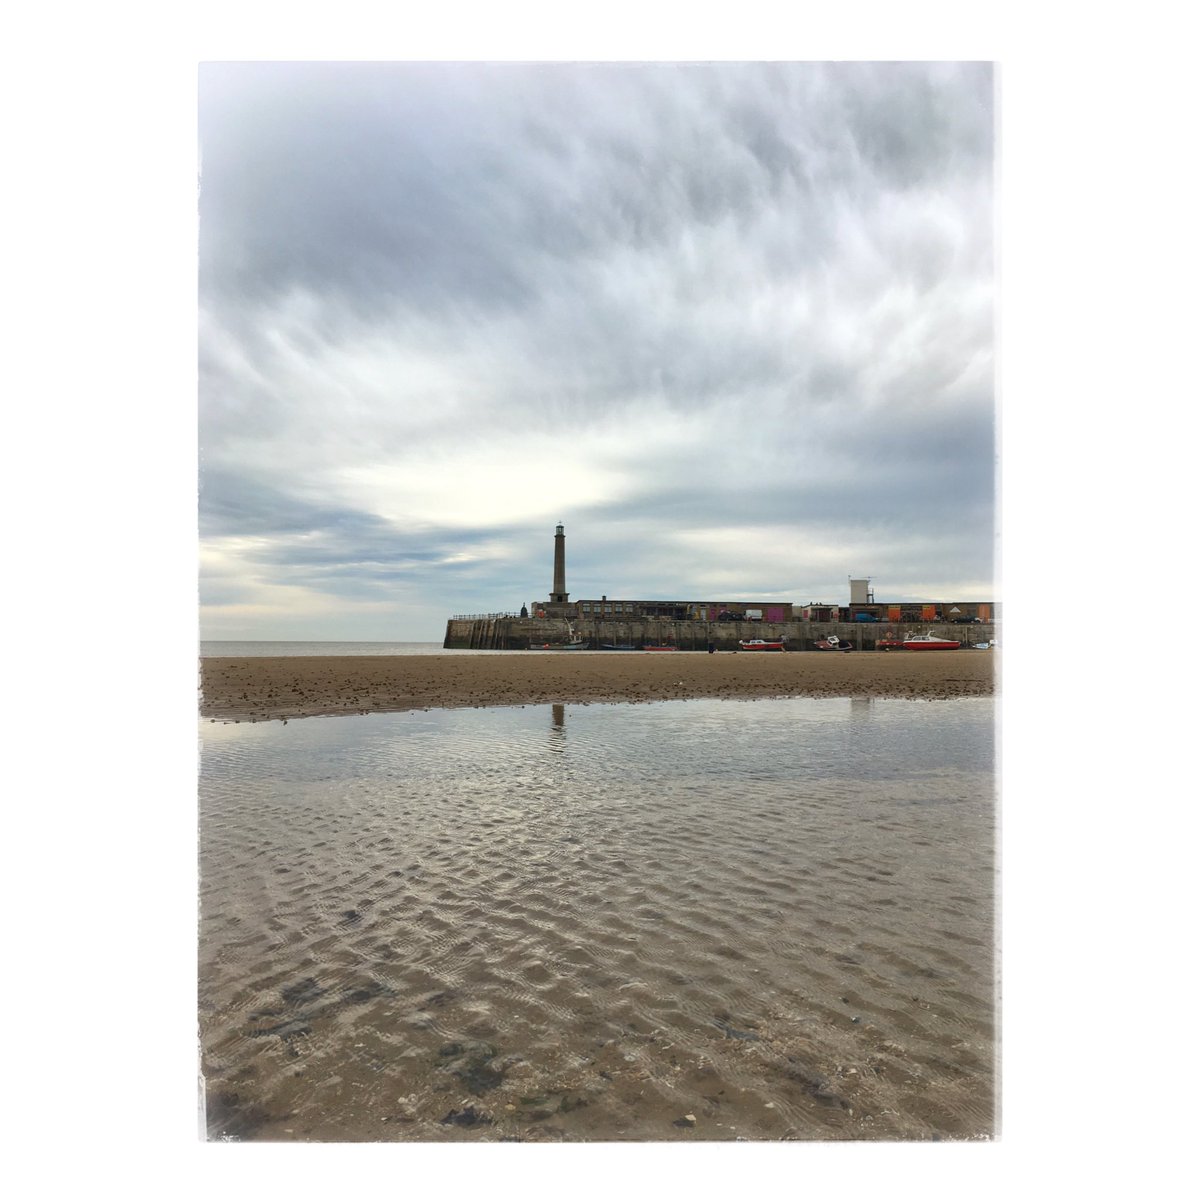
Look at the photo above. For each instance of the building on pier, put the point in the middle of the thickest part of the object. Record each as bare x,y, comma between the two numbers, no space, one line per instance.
862,607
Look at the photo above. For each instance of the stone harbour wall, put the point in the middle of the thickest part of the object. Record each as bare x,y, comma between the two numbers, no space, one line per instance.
516,633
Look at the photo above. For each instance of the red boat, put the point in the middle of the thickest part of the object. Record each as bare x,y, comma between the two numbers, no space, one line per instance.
660,647
759,644
919,641
833,642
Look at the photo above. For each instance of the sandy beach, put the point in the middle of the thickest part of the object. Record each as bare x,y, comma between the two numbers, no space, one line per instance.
266,689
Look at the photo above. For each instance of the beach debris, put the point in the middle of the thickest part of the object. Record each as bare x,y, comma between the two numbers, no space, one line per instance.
472,1062
467,1117
537,1107
688,1121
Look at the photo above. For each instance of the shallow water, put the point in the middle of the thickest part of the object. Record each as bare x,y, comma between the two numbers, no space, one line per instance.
687,920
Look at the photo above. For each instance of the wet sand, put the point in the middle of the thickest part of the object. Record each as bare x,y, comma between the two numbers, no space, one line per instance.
609,923
265,689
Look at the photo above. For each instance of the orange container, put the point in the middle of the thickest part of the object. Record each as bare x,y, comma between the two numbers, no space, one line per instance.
928,612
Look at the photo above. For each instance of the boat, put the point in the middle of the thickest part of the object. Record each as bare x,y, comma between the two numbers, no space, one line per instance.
918,642
580,645
833,642
660,647
608,646
759,644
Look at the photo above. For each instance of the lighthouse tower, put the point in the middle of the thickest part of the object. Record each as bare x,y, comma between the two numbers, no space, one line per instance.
559,595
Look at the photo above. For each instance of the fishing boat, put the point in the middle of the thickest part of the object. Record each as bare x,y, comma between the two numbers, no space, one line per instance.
759,644
918,642
577,645
833,642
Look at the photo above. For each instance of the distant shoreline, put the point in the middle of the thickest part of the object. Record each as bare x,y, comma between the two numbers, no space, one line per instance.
267,688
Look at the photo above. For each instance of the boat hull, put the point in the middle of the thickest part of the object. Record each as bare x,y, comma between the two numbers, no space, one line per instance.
756,646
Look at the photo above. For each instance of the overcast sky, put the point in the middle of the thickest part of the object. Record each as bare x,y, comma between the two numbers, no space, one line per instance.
732,325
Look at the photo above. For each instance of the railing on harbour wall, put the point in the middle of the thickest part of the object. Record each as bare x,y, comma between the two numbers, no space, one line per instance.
496,616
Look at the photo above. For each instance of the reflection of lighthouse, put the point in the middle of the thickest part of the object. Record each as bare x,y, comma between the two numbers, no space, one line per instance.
559,594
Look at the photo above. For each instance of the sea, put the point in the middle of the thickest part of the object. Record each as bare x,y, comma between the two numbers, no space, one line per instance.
701,920
234,649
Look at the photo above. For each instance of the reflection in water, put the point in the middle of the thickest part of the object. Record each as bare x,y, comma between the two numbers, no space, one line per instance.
860,707
558,732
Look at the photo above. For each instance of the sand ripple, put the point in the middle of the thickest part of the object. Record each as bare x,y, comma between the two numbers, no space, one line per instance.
548,924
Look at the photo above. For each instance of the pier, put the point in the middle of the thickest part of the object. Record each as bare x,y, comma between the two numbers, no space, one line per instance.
516,633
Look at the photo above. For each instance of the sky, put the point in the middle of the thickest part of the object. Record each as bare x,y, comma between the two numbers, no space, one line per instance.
731,324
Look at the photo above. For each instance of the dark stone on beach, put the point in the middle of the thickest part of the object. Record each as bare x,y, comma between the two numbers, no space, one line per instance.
467,1118
475,1068
480,1078
351,917
685,1123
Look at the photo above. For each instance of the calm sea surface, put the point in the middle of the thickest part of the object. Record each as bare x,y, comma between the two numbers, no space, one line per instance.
689,920
213,649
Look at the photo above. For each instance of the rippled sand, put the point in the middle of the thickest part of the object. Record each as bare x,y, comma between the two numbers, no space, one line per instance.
536,930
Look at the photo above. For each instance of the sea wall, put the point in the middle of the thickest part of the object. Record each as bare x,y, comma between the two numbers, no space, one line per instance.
516,633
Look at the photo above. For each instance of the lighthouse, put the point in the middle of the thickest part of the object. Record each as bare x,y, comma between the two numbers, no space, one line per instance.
559,594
